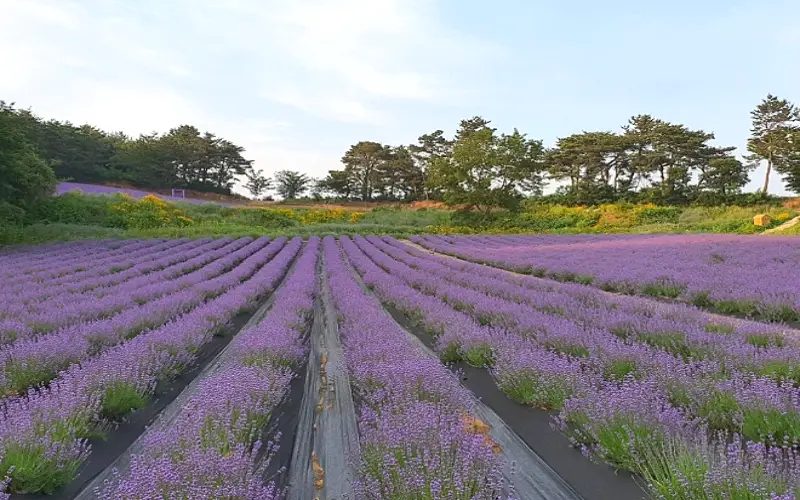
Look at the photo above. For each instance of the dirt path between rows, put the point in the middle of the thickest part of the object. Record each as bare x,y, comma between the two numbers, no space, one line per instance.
327,433
795,328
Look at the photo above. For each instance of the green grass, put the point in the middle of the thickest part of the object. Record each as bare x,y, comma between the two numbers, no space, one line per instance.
121,398
479,356
77,216
794,230
531,388
37,468
40,233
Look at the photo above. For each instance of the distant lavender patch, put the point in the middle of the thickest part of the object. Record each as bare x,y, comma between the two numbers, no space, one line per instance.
747,275
66,187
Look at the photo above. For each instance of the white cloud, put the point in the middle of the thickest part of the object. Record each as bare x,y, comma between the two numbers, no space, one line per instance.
253,71
131,108
356,55
358,41
321,104
28,55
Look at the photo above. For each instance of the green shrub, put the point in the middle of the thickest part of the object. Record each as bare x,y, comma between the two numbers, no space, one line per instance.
11,215
414,218
74,208
658,215
263,218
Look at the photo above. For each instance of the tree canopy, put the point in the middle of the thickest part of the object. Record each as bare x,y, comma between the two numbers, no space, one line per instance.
291,184
184,157
775,125
24,176
486,170
646,159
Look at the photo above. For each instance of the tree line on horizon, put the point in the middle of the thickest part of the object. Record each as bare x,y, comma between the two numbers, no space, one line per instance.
647,159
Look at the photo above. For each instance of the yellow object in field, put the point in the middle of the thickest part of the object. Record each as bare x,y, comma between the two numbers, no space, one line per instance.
762,220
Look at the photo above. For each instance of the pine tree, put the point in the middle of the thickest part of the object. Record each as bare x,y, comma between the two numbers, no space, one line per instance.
774,122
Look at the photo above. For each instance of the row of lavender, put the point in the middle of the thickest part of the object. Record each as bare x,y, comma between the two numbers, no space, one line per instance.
30,260
416,436
39,357
32,310
747,275
701,408
213,448
86,274
143,271
44,432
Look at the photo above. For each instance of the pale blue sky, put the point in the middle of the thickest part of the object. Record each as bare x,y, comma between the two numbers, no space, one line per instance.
297,81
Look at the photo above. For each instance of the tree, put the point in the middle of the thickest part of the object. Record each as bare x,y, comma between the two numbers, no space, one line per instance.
397,177
257,183
361,162
788,161
774,122
203,162
338,183
724,176
595,163
429,147
24,176
667,156
290,184
183,157
486,171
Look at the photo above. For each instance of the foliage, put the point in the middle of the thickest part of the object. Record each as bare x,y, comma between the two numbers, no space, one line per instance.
257,183
361,164
290,184
73,208
24,176
648,160
488,171
774,136
79,216
429,147
724,176
337,183
376,171
181,158
651,157
789,162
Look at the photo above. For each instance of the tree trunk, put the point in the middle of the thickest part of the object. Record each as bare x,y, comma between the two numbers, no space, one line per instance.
769,170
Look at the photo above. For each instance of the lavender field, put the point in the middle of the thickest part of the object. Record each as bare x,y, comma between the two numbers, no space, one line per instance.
743,275
377,368
69,187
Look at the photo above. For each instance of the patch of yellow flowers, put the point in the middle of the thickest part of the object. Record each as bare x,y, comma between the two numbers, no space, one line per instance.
148,212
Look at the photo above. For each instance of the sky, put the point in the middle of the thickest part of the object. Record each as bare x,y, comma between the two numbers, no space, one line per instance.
296,82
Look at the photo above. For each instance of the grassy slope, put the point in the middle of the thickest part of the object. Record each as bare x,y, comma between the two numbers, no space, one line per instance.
89,217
